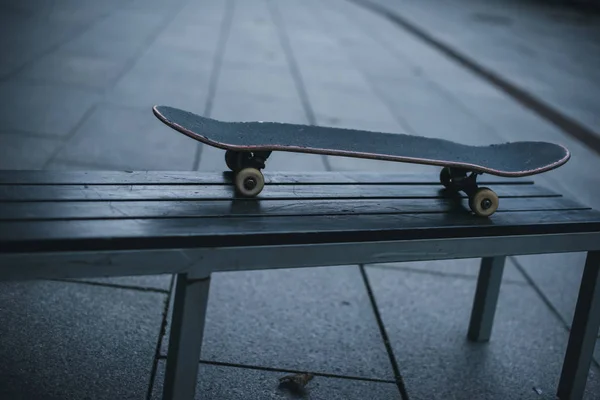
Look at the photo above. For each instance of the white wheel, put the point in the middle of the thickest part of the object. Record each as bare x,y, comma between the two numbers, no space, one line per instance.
484,202
249,182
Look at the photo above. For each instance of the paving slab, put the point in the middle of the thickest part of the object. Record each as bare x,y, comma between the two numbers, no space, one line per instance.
171,76
87,71
428,335
255,62
257,81
243,107
68,340
175,69
196,27
33,107
128,139
550,50
419,105
383,92
347,78
85,12
41,28
309,319
344,104
254,38
20,150
123,33
345,100
428,112
257,85
558,277
408,56
353,100
227,382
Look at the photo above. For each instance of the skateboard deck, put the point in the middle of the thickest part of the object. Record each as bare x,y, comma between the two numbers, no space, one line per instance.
249,144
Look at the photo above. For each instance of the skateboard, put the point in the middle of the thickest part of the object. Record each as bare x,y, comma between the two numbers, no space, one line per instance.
248,145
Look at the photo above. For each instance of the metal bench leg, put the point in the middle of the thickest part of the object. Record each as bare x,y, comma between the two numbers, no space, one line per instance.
486,298
584,332
185,342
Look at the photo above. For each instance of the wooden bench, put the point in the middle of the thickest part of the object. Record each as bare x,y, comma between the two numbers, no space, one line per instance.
89,224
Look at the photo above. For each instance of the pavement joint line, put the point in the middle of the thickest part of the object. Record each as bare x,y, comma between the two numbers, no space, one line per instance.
546,300
224,32
161,334
400,268
77,33
539,292
566,124
111,285
284,40
65,139
386,341
291,371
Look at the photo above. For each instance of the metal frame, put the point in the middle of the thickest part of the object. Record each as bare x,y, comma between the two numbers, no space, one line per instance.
486,298
185,342
584,332
193,268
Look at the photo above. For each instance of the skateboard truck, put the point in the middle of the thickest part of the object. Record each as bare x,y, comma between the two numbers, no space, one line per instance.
483,201
249,180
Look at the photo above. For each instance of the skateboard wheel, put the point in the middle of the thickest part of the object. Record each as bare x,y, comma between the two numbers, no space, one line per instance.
484,202
446,177
237,160
249,182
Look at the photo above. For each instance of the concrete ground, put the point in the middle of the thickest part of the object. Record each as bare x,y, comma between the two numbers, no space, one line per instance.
77,81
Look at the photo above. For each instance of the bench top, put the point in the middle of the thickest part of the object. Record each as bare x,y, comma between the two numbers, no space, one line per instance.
112,210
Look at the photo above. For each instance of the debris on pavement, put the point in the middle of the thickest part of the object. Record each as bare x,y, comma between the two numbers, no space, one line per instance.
295,383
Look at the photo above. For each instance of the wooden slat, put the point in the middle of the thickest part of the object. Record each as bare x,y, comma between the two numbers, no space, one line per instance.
224,208
243,231
208,192
49,177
